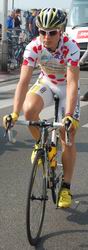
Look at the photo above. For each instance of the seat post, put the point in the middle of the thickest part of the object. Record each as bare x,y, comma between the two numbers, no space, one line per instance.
56,100
56,105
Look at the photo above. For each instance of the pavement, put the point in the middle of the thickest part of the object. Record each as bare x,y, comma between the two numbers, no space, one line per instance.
7,76
13,74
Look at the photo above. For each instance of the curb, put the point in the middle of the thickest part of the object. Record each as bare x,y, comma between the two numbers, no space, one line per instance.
12,78
9,79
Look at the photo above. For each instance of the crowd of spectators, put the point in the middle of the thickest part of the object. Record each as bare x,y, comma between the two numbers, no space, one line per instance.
14,21
21,29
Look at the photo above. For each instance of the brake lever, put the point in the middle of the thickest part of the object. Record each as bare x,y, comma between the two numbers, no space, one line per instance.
10,136
8,131
67,132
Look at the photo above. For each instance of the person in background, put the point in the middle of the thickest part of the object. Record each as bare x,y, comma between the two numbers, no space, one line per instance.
17,21
10,25
27,14
82,61
10,20
33,29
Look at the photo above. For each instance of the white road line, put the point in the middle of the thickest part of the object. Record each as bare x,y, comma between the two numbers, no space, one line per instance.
7,88
83,78
5,103
83,104
85,126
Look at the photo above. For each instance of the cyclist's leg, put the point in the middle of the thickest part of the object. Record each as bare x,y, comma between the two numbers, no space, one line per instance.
32,107
68,156
68,162
38,97
69,152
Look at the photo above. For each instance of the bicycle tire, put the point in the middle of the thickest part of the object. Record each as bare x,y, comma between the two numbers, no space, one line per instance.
53,185
56,175
56,182
34,221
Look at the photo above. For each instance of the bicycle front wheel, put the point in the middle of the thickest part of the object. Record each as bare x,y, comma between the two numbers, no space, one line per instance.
53,185
36,200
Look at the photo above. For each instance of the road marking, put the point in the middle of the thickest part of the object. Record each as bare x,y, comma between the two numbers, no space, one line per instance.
85,126
5,103
83,78
7,88
8,103
83,104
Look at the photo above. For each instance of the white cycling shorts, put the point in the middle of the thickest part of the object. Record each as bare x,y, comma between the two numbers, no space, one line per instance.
47,89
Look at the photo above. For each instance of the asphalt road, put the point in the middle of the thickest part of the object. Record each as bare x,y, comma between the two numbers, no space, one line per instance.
63,229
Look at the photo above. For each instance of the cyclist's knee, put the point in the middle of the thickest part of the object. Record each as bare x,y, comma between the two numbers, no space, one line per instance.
29,111
32,107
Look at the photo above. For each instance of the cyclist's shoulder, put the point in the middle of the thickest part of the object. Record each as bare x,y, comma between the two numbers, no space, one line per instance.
35,44
70,42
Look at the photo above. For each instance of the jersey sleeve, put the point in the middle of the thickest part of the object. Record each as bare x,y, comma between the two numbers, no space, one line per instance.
31,54
73,55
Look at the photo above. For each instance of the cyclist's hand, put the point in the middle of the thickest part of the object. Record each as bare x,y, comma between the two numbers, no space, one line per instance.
70,122
9,120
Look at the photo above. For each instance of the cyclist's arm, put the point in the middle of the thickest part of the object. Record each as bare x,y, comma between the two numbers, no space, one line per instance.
22,87
72,89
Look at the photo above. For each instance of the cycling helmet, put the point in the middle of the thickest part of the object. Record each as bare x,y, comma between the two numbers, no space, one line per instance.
51,18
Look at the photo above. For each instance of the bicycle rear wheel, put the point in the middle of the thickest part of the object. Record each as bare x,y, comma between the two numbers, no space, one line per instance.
36,200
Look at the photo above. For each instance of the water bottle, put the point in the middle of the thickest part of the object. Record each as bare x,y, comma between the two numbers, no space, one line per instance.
52,155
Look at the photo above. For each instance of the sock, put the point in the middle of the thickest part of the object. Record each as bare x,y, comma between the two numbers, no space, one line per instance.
65,185
37,142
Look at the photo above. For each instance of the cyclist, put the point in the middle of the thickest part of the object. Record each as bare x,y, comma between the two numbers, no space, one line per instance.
58,57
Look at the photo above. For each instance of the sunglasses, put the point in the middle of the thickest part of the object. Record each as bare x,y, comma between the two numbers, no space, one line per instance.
50,33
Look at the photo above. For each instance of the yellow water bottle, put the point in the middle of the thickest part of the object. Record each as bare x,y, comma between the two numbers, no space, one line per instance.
52,155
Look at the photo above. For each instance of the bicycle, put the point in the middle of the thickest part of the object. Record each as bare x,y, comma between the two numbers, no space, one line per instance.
44,176
17,41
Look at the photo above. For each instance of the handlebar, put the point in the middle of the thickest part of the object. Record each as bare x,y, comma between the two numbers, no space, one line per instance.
41,124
